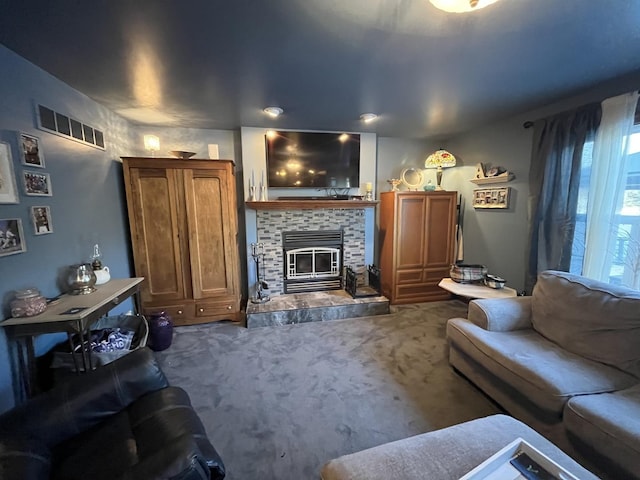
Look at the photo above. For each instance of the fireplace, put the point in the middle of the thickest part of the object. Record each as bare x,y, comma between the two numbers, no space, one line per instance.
312,260
271,225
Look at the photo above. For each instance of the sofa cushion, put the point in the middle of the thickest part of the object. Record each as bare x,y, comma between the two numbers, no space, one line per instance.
157,436
592,319
541,370
83,401
612,422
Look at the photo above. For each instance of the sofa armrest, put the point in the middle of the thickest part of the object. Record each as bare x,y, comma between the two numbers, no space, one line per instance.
501,314
83,401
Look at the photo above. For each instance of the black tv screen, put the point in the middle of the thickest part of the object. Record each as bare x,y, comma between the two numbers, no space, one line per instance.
313,160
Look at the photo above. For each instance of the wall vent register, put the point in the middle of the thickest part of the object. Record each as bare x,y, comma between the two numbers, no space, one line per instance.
65,126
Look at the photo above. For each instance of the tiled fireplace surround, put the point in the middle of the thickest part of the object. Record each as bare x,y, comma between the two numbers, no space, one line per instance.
299,308
271,224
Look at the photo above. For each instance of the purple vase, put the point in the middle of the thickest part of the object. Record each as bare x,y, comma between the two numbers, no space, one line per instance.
160,331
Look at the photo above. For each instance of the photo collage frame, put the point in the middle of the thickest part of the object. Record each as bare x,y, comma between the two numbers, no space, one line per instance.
35,183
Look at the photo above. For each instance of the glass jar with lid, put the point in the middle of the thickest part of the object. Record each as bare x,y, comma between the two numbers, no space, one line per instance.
27,303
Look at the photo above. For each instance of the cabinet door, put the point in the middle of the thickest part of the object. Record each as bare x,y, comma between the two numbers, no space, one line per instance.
154,213
440,230
212,225
411,231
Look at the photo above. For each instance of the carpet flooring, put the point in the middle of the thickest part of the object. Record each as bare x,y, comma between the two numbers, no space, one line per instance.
279,402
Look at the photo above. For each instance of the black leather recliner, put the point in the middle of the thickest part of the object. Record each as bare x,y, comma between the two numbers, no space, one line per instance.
121,421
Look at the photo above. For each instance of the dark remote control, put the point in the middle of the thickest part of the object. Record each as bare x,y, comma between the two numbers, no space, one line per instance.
530,469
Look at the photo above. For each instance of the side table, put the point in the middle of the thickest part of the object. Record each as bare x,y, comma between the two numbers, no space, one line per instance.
73,314
475,290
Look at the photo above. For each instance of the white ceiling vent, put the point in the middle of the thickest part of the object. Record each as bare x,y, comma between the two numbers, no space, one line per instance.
68,127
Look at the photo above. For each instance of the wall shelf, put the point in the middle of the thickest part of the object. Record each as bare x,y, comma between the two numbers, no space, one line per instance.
497,179
306,204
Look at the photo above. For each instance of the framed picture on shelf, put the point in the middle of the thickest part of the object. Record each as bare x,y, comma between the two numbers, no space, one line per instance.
495,197
36,184
11,237
41,218
30,150
8,187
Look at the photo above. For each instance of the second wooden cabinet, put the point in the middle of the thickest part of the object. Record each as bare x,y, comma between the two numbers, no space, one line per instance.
417,240
183,220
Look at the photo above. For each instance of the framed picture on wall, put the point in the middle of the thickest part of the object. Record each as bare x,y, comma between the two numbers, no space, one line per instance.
496,197
11,237
30,150
36,184
8,187
41,218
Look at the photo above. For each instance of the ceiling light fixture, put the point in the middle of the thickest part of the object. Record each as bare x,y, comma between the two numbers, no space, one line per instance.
273,111
368,117
461,6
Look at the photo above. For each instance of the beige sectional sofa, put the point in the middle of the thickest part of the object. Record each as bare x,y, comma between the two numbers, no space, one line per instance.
445,454
568,356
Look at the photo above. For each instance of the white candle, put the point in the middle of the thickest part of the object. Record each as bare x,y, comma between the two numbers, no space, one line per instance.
369,187
262,180
253,180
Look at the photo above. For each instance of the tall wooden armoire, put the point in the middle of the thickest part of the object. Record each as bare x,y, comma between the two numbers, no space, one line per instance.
417,242
183,220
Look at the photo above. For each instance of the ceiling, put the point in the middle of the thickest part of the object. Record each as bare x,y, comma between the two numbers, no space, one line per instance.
216,63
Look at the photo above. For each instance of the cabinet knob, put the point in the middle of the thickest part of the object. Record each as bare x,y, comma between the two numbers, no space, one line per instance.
179,312
202,309
229,307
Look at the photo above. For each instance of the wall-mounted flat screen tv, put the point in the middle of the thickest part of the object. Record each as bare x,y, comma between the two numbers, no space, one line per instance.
313,160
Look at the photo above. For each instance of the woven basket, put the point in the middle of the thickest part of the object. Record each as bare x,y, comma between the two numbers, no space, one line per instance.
63,358
462,273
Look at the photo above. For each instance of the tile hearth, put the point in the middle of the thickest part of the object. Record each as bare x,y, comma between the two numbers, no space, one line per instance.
313,307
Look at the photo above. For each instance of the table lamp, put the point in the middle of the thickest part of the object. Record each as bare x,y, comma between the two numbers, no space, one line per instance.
439,160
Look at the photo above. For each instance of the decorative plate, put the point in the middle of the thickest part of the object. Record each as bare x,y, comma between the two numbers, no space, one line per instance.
412,178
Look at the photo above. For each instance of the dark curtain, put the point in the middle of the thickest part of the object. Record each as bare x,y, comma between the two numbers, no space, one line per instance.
554,179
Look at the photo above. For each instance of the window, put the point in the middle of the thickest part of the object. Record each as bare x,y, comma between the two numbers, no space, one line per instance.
624,259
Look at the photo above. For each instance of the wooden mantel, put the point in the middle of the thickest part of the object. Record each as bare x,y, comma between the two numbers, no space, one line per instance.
306,204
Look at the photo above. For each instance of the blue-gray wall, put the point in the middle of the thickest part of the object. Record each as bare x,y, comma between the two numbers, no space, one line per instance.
396,154
499,238
87,205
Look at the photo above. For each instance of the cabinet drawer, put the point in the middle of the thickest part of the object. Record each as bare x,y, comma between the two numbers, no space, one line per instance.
408,276
431,276
207,309
178,313
419,293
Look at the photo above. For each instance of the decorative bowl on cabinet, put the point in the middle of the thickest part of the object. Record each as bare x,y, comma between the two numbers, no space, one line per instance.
181,154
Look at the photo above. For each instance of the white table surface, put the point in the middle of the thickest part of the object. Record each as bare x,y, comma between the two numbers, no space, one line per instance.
93,305
476,290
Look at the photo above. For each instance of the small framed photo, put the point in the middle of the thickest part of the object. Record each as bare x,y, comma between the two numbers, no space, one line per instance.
36,184
8,187
41,218
11,237
496,197
31,150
